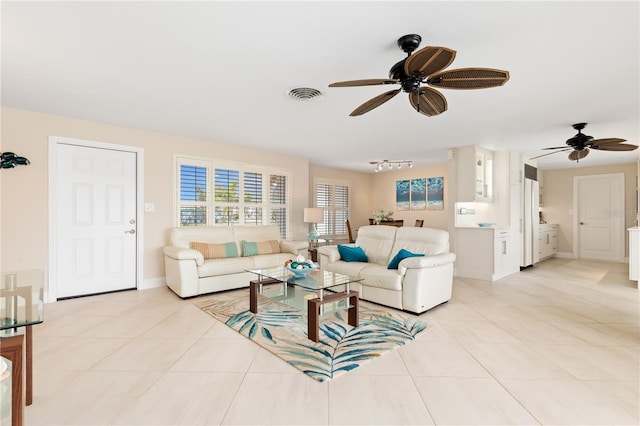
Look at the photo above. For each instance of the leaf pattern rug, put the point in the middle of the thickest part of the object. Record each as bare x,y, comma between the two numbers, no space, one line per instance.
282,330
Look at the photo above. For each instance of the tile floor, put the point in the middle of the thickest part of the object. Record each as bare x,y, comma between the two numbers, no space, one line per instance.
556,344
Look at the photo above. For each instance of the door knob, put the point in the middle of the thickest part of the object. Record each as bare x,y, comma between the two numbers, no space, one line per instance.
581,223
130,231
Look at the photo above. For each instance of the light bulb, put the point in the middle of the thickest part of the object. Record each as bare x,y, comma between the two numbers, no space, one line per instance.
399,166
410,165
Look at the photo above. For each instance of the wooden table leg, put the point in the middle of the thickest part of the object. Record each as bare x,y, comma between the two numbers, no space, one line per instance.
12,350
313,311
29,366
254,287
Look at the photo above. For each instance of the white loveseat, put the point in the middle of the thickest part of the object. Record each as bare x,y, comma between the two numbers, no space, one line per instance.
419,283
188,273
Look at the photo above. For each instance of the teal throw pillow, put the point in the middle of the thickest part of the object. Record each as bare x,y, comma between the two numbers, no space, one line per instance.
352,254
402,254
249,248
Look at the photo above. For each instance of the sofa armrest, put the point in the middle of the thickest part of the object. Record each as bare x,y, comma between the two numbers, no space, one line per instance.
425,262
329,254
181,253
294,247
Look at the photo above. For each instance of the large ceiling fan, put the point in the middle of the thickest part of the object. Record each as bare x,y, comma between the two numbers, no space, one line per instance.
580,144
424,68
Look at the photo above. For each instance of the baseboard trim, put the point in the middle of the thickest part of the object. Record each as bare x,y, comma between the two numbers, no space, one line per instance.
564,255
153,283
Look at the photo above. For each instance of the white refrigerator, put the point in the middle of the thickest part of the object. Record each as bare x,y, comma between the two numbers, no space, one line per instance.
530,222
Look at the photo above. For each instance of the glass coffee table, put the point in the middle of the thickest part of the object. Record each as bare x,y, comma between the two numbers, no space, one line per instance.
317,293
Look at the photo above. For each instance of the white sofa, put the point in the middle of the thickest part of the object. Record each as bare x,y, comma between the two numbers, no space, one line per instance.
188,273
419,283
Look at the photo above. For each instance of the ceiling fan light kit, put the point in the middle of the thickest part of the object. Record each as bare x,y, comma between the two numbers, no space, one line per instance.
581,144
380,165
422,69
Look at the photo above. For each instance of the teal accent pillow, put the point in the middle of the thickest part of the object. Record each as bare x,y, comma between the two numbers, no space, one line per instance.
402,254
249,248
352,254
230,250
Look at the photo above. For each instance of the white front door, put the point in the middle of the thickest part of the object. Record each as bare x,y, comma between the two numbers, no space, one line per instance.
95,193
599,202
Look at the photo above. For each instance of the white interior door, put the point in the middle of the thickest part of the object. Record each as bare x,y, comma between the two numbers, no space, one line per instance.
600,216
95,220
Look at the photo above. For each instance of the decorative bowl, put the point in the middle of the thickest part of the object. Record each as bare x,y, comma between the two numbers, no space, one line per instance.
485,224
300,273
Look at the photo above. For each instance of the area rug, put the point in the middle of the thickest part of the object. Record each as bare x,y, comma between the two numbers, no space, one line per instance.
282,330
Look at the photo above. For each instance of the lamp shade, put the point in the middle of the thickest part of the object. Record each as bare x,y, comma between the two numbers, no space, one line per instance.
313,215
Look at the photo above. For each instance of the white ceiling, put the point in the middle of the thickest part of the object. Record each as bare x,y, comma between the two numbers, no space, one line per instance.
220,71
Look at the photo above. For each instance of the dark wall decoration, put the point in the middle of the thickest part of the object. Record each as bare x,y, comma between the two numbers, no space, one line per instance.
9,160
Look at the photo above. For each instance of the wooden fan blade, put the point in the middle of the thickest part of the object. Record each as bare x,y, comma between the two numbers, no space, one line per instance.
428,60
578,154
469,78
549,153
428,101
606,141
557,147
365,82
615,147
374,102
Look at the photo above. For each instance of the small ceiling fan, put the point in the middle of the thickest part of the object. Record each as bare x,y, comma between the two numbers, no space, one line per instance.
424,68
580,144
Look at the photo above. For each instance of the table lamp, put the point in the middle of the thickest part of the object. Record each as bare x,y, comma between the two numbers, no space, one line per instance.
313,215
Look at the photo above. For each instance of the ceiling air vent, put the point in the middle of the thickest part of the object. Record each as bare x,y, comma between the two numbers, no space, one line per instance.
304,94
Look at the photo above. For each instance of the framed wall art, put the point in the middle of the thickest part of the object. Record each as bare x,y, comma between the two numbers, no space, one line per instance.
403,194
435,193
419,194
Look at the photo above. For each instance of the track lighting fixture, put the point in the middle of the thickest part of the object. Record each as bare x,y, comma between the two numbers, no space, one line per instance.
379,165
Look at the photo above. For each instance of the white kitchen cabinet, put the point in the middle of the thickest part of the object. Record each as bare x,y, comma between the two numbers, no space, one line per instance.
474,166
548,240
485,253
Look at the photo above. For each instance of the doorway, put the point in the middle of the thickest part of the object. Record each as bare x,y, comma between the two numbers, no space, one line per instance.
599,219
94,209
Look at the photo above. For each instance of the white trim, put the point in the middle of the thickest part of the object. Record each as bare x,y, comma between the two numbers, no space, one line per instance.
153,283
619,180
51,295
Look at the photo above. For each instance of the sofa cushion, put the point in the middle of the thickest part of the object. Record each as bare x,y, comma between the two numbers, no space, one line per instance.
428,241
216,251
347,268
377,241
255,233
251,248
182,236
402,254
381,277
352,254
216,267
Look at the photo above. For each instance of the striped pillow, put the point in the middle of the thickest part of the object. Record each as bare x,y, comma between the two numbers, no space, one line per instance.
262,247
216,251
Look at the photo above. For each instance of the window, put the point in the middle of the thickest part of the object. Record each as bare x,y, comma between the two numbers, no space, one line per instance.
333,197
223,194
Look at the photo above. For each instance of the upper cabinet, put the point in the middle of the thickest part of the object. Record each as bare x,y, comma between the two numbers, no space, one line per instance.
474,170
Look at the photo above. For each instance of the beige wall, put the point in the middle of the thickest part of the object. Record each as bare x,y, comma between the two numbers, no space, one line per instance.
383,195
558,198
24,190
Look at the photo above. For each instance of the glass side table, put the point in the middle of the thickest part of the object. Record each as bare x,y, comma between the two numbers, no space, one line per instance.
21,306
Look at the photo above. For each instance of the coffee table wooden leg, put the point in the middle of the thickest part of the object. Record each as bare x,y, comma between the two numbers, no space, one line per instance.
354,300
313,313
253,296
29,366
